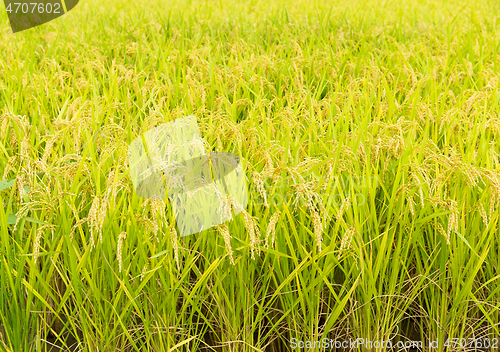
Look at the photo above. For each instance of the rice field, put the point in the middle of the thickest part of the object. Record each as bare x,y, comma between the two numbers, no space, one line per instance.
370,134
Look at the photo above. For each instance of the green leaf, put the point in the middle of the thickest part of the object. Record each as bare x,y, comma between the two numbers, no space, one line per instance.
11,219
467,243
35,221
40,254
6,184
159,254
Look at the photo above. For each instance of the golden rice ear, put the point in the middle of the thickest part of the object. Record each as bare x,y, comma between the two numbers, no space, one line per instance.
344,206
259,182
483,214
159,217
443,232
223,229
346,240
143,272
49,146
452,219
94,215
250,225
121,237
271,229
174,239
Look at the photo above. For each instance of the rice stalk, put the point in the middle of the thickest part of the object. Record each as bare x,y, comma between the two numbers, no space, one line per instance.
271,228
121,237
